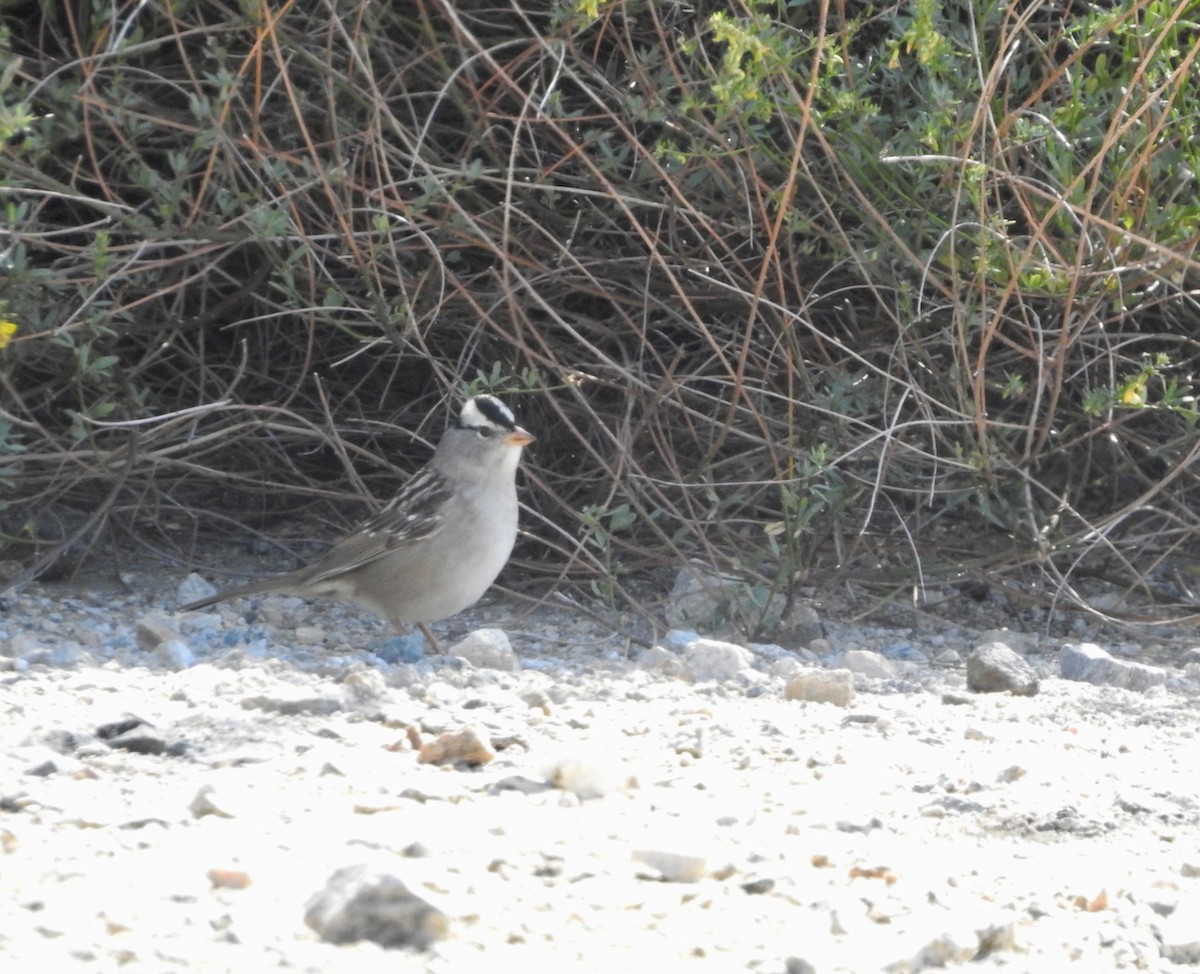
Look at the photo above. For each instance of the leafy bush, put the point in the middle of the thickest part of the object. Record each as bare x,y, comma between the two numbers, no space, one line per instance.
784,288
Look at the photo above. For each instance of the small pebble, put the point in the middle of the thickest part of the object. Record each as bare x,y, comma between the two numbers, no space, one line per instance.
822,686
487,649
462,746
152,631
175,654
362,903
591,776
673,867
194,588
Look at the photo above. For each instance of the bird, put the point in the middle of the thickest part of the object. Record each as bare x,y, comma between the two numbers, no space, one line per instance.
438,545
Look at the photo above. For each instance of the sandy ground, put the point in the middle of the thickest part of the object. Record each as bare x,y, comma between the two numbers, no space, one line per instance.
185,804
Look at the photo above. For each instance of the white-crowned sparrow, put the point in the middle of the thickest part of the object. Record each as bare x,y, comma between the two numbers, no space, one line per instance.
440,542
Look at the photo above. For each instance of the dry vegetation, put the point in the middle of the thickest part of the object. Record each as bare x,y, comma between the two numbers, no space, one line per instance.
899,295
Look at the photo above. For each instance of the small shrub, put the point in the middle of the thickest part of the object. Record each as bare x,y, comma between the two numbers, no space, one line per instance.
796,292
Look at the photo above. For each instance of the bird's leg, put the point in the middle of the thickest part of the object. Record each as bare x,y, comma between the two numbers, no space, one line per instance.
405,630
430,638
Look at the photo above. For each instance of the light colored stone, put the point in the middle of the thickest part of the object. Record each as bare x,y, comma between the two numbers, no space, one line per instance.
537,699
54,653
152,631
707,602
674,867
676,639
869,664
175,653
194,588
1088,663
488,649
822,686
589,775
659,658
770,651
462,746
948,658
711,659
786,668
366,687
309,635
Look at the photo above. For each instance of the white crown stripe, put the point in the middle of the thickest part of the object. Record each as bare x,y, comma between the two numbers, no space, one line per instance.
486,411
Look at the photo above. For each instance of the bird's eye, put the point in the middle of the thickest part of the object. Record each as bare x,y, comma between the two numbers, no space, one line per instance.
485,431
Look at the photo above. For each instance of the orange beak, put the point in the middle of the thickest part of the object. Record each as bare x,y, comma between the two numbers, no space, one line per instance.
519,437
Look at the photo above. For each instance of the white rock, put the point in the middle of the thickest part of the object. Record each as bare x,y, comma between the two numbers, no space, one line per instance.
175,653
589,775
193,588
786,668
308,635
869,664
487,649
674,867
1088,663
711,659
657,658
366,686
198,621
822,686
676,639
771,651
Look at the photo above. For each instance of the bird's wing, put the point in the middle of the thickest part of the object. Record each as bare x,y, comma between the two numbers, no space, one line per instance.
414,514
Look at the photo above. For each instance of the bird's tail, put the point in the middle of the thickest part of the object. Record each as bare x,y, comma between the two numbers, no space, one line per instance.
250,588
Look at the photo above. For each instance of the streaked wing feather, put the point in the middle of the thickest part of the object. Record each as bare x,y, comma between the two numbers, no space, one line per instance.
414,514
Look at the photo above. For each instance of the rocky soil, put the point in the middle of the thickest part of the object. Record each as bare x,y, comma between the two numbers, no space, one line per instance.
284,786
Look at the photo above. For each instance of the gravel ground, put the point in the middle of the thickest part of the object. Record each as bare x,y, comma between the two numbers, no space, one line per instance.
280,785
